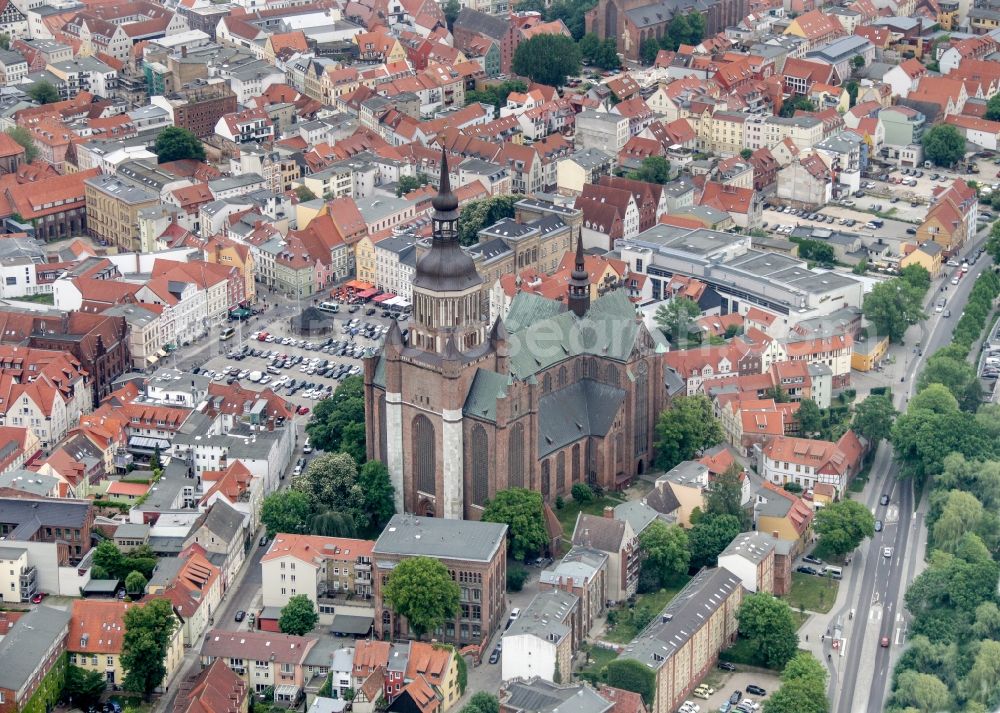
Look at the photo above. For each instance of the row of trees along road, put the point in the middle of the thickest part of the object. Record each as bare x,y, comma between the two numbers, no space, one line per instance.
949,444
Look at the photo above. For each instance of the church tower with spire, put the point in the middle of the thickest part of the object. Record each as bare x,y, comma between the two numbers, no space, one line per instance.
578,298
447,311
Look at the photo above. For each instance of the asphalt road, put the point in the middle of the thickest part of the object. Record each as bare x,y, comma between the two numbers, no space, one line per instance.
878,608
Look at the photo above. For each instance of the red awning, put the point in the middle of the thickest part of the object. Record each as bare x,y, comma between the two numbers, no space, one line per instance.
365,294
357,285
383,297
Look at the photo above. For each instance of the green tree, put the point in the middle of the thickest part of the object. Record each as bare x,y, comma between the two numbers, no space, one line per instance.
916,276
521,510
959,513
852,88
135,583
803,687
993,108
298,616
631,675
665,550
858,62
148,630
154,460
422,590
987,621
411,183
648,51
696,28
768,622
809,418
22,136
331,482
516,577
685,429
329,429
304,194
710,536
547,59
724,495
678,32
745,154
944,145
286,511
815,251
379,495
892,306
333,523
955,374
921,691
676,319
873,418
589,45
483,213
451,10
176,143
606,56
83,688
842,526
982,683
4,41
108,557
43,92
495,94
778,394
790,106
653,169
482,702
582,493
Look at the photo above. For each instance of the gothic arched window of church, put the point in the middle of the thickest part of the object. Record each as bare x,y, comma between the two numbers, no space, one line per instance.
575,464
424,455
561,472
612,375
515,456
619,452
547,383
563,374
546,479
480,465
641,407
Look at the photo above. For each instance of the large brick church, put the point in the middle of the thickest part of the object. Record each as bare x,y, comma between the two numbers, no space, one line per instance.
561,392
632,22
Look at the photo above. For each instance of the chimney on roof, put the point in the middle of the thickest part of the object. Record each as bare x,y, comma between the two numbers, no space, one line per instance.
609,512
774,534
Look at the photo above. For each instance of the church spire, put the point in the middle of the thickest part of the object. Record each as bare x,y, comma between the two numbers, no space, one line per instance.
579,283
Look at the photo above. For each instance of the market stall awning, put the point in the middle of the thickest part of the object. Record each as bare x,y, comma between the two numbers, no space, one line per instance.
383,297
358,285
152,359
365,294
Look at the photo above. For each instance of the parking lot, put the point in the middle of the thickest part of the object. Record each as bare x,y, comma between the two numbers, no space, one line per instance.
304,370
836,217
726,683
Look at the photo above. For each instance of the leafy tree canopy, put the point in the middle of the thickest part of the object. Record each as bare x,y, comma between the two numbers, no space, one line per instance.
630,675
176,143
809,417
44,92
666,550
790,106
954,373
521,510
676,319
710,536
148,630
410,183
843,525
298,616
724,495
768,622
547,59
873,418
22,136
83,688
685,429
422,590
653,169
993,108
334,423
944,145
892,306
286,511
483,213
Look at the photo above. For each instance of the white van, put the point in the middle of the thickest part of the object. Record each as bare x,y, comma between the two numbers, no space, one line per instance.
834,572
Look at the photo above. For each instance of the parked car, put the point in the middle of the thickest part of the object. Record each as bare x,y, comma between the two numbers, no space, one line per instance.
807,570
241,615
735,697
756,690
726,666
812,560
495,655
37,598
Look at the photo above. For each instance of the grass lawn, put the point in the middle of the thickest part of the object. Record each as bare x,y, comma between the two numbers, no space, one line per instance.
812,593
626,629
599,658
567,516
45,298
